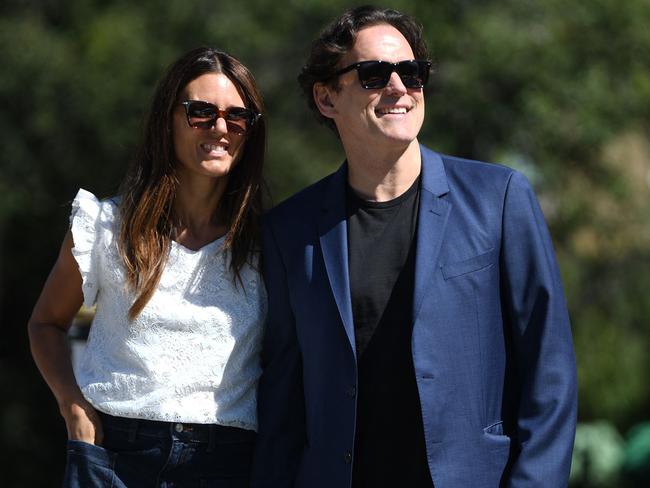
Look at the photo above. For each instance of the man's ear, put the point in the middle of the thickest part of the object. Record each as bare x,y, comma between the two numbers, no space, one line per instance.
324,98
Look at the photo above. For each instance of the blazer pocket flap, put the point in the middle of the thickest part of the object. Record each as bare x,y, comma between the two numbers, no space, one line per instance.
451,270
494,429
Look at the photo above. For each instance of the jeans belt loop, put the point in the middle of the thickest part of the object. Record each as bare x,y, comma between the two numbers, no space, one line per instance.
133,429
212,437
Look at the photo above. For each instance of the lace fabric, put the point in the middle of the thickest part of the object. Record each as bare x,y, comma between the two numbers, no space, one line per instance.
192,354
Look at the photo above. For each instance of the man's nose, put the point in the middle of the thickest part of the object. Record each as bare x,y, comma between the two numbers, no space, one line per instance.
395,85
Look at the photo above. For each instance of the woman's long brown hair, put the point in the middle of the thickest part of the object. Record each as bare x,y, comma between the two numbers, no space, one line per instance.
149,189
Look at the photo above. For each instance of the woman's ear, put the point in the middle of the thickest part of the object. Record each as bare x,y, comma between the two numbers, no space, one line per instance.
325,99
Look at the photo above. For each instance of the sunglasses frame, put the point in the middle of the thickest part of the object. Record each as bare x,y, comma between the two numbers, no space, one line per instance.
251,117
394,68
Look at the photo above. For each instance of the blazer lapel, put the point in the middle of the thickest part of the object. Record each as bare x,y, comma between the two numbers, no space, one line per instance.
333,235
432,220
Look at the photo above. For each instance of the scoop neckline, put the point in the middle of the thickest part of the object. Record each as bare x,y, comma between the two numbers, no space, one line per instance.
205,247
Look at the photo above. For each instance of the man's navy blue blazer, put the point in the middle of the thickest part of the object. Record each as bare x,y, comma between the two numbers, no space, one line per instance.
492,348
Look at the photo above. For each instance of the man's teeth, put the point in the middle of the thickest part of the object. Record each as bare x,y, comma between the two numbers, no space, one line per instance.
400,110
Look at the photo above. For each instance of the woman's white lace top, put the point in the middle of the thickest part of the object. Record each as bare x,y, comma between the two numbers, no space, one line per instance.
192,354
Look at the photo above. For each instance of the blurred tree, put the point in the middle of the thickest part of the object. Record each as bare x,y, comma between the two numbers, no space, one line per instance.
597,456
636,466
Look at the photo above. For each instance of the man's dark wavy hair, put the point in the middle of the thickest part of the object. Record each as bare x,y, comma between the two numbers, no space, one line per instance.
337,39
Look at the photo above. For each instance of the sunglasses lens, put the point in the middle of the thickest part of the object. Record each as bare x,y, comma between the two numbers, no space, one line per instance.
376,74
203,115
412,73
238,119
239,113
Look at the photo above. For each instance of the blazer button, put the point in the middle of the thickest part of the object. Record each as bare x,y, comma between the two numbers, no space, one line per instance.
347,457
352,391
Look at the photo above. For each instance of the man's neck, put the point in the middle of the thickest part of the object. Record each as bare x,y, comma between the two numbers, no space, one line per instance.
381,177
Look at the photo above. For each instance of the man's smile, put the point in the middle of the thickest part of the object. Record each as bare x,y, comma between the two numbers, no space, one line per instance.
393,109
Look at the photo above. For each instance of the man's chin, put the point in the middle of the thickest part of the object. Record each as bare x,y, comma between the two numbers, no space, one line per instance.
399,139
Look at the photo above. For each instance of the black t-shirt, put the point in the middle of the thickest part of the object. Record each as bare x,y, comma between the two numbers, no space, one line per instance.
389,440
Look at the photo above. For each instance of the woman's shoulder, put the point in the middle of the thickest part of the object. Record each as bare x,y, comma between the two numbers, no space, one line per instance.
88,200
93,224
87,207
92,218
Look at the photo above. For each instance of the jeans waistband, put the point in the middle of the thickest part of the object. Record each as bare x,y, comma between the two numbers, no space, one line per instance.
132,428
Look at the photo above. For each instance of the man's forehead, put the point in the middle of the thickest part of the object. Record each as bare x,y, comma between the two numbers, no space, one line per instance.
383,42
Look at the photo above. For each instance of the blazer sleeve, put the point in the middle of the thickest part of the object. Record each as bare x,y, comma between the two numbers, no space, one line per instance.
281,410
542,349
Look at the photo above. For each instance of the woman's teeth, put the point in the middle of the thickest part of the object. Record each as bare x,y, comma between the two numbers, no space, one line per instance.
218,148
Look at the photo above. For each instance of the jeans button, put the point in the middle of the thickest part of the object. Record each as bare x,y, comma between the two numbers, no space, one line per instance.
178,427
352,391
347,457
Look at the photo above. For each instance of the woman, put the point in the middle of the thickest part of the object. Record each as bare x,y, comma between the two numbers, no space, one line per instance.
165,392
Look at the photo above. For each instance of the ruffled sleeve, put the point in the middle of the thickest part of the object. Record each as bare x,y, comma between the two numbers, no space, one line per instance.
85,225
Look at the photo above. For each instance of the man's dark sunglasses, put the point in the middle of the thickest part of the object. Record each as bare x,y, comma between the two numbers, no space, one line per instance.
414,73
204,115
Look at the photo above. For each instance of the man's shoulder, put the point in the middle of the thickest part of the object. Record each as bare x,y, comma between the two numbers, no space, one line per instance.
301,203
474,175
479,181
458,166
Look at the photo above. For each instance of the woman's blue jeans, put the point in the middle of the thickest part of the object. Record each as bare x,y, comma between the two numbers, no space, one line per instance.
145,453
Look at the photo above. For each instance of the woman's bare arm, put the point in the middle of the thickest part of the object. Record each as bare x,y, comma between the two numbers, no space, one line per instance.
51,318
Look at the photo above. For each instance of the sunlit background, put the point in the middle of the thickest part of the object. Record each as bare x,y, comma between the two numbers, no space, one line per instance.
557,89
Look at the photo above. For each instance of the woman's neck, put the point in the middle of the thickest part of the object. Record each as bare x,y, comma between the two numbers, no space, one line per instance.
197,219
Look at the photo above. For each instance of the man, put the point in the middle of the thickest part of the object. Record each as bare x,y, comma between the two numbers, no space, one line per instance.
417,332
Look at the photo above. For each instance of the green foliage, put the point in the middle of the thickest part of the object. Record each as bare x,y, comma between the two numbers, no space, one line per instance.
559,90
597,455
637,453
